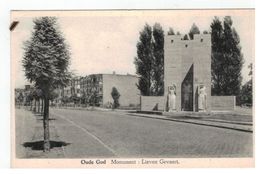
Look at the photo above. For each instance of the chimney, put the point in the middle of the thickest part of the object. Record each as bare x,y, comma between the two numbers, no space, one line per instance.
114,72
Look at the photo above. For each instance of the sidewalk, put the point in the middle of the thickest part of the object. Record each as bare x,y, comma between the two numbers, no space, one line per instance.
96,108
204,119
29,137
25,122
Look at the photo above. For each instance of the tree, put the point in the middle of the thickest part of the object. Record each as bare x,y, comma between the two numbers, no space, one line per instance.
83,97
250,66
233,59
53,95
75,99
150,60
45,63
217,74
93,99
194,30
185,37
20,98
115,95
205,32
158,63
171,31
246,94
29,98
227,59
39,96
144,61
65,99
36,96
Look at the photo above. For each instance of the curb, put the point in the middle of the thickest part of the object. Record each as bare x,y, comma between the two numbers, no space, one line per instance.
197,123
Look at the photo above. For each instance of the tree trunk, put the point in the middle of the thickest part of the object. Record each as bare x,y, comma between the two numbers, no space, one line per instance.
46,128
42,106
34,107
39,105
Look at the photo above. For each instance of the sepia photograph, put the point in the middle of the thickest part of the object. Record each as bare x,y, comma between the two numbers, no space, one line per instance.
133,88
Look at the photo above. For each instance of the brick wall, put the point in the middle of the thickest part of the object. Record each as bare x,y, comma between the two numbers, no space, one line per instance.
148,103
223,103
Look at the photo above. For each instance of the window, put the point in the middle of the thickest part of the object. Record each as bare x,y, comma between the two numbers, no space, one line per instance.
172,41
186,45
201,40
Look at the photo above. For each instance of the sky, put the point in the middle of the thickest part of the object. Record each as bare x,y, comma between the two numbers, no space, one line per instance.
105,41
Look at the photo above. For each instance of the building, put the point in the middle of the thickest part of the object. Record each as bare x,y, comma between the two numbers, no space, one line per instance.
95,89
187,78
126,86
72,89
75,86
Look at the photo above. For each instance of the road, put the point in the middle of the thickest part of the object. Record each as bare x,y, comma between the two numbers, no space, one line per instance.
91,134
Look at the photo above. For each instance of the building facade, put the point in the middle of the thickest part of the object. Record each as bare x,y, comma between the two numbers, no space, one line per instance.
126,86
95,89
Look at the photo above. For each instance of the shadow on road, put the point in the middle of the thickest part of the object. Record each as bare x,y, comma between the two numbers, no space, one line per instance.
50,119
38,114
38,145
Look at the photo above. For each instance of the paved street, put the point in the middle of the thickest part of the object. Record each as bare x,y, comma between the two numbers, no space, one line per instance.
116,134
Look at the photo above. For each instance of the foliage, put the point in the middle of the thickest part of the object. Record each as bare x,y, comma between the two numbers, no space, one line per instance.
246,93
53,95
29,97
194,30
150,60
75,99
45,63
37,93
226,58
144,60
185,37
158,63
46,56
171,31
65,99
94,99
20,97
250,66
84,98
115,95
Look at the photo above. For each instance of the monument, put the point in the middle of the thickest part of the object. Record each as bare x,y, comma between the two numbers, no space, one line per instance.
187,64
187,78
202,99
171,99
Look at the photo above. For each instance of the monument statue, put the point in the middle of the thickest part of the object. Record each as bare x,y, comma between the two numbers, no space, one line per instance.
171,99
202,98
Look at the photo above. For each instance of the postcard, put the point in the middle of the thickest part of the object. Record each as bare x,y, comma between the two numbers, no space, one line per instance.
133,88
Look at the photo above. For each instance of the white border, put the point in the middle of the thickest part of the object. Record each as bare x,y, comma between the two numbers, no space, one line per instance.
6,6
